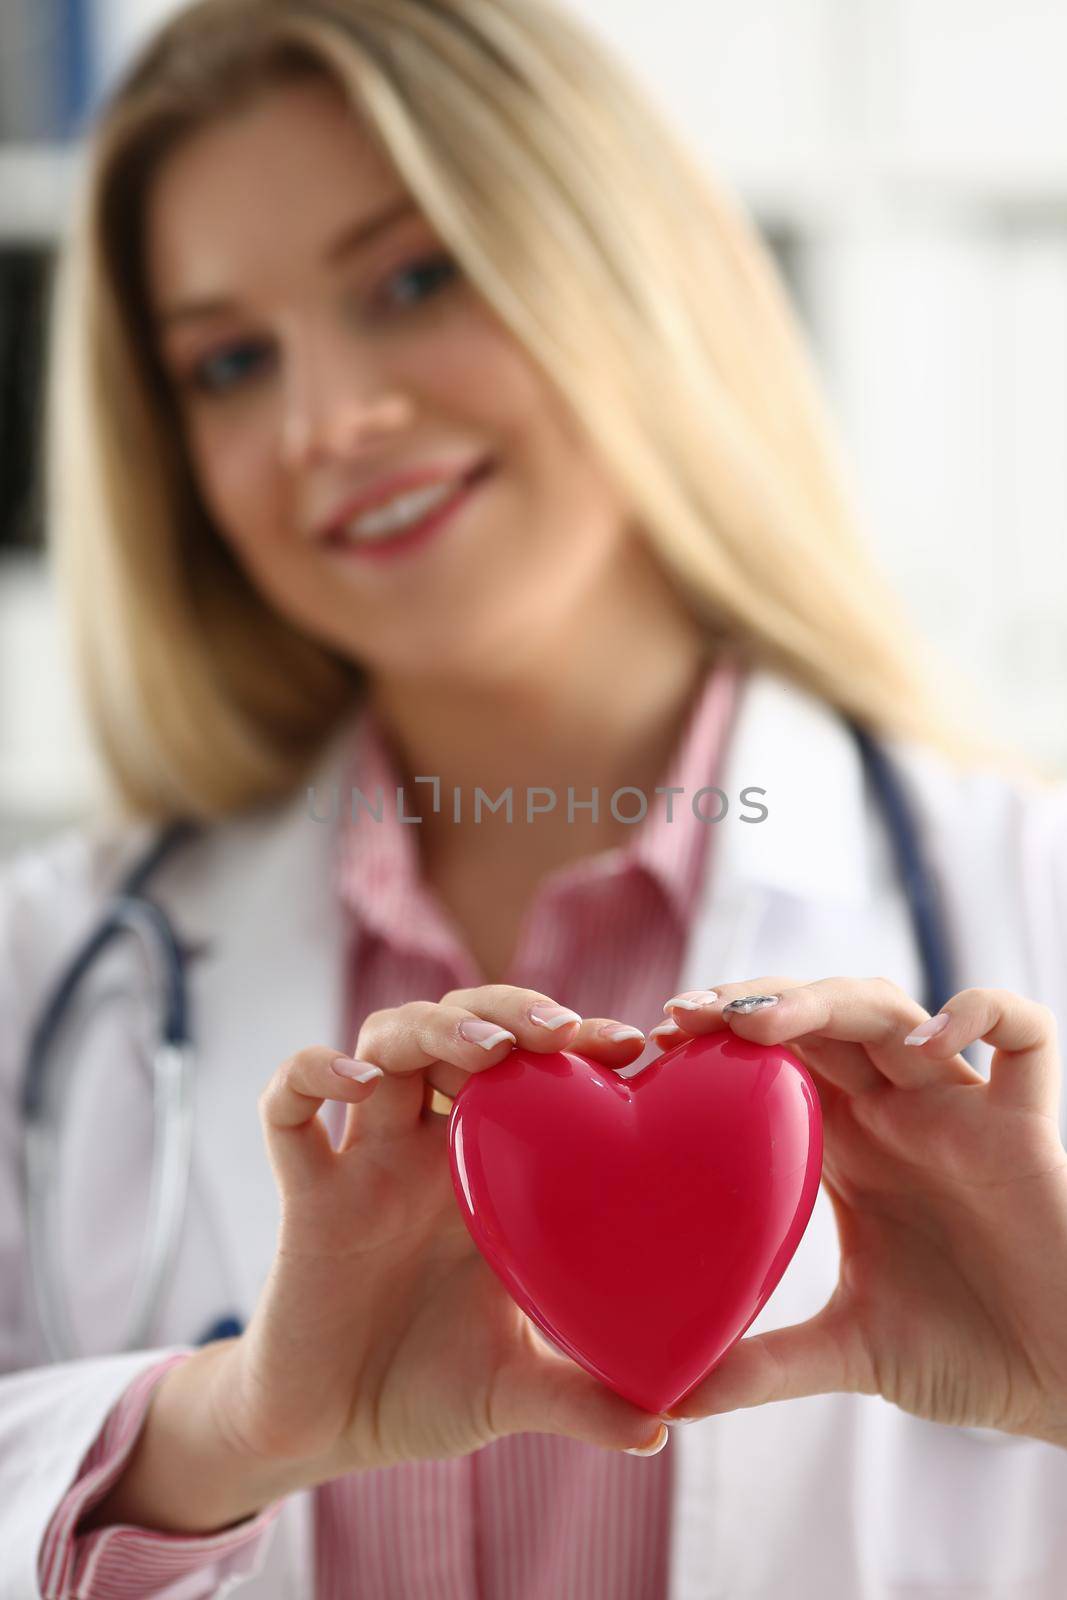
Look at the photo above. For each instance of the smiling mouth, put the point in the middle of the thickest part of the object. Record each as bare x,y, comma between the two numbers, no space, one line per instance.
409,535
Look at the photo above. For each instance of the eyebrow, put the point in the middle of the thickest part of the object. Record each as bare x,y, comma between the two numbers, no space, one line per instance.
351,238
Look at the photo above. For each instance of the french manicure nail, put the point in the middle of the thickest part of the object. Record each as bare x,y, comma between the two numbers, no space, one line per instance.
692,1000
487,1034
352,1067
927,1029
549,1016
618,1031
748,1003
654,1448
663,1030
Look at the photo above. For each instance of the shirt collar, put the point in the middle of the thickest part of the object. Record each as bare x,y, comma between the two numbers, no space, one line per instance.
675,851
379,857
378,854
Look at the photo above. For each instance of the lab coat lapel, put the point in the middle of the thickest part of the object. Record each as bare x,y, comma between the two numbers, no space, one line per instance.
802,763
269,982
259,898
806,893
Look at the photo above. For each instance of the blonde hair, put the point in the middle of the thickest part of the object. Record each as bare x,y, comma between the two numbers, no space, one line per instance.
552,178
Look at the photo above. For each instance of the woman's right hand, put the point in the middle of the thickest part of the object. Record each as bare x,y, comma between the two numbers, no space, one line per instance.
381,1335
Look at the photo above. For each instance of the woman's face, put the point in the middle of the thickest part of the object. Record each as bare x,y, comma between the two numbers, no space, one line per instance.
320,339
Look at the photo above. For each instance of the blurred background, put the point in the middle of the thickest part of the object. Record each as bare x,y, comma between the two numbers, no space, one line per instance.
907,162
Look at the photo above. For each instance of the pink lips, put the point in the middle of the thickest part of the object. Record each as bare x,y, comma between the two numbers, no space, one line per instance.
412,538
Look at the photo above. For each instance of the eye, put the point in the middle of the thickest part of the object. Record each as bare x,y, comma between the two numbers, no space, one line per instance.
225,368
421,278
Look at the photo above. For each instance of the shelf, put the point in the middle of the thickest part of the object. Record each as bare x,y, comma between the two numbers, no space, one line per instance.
835,194
45,763
825,191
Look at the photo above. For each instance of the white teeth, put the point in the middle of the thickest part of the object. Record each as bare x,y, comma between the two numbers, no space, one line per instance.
399,513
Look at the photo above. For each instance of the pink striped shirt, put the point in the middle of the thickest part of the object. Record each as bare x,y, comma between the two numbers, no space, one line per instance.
532,1515
123,1562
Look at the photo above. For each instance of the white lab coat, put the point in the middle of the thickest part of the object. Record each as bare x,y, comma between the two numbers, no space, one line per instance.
834,1497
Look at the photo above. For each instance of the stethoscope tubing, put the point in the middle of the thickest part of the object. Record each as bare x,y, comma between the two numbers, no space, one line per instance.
916,874
173,1065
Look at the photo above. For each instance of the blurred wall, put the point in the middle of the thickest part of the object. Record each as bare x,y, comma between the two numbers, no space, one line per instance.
907,161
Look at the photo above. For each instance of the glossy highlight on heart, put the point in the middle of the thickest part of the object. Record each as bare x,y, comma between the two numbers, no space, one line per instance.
642,1223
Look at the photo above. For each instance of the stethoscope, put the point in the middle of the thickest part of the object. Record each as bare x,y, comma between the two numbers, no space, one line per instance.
132,911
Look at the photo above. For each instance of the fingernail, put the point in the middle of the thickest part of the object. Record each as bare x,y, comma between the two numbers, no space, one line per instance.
487,1034
654,1448
550,1016
678,1422
927,1029
751,1002
692,1000
618,1030
352,1067
663,1030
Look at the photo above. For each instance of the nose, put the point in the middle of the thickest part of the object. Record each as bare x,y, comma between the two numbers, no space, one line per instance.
337,403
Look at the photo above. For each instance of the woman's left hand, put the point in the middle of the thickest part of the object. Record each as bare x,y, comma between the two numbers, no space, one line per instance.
950,1195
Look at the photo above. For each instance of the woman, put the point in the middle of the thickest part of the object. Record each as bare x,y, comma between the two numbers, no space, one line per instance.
338,253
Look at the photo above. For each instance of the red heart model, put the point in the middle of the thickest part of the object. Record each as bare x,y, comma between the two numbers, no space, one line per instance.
641,1223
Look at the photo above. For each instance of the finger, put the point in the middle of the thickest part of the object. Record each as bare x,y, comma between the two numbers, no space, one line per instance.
824,1355
542,1390
667,1034
298,1142
445,1042
538,1021
822,1019
609,1040
416,1044
1025,1071
837,1067
696,1010
701,1010
605,1039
